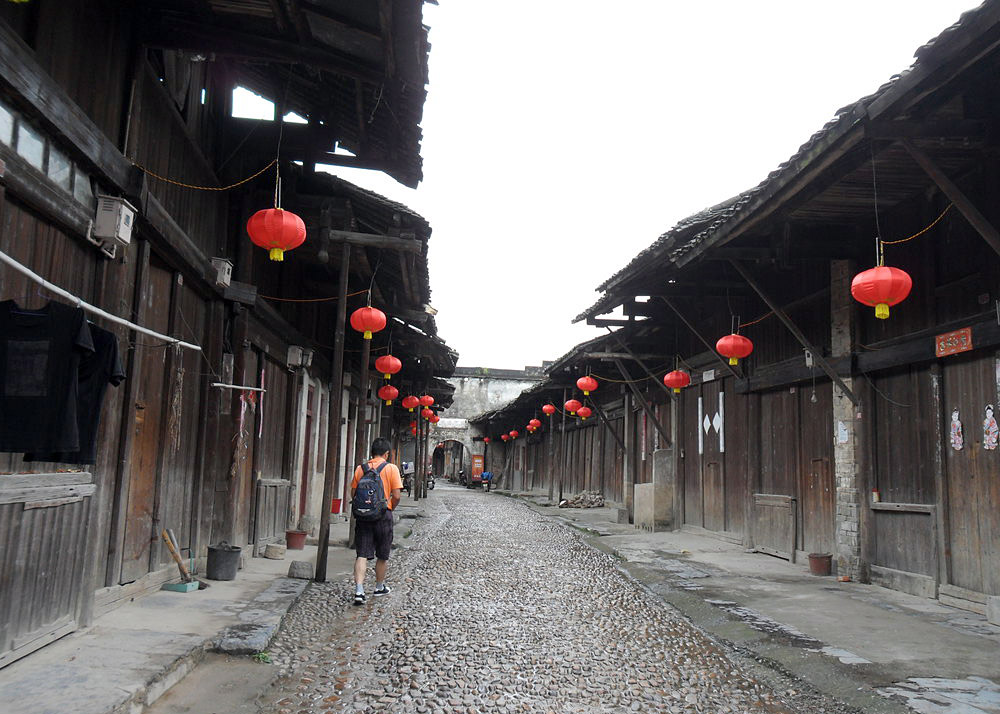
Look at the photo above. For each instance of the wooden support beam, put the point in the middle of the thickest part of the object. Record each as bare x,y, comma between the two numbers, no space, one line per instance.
659,382
955,195
709,346
604,418
906,129
796,332
620,355
375,240
642,402
603,322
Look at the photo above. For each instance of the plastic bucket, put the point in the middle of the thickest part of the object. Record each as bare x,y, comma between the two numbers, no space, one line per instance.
295,540
820,563
335,506
223,561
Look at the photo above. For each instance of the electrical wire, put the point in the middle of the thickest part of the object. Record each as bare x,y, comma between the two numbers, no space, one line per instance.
322,299
203,188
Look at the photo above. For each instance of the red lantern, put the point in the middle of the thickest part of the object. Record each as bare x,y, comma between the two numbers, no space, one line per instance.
427,401
677,380
514,434
388,393
572,405
413,431
410,402
881,287
426,413
486,439
388,365
504,437
735,347
586,384
276,230
434,419
368,320
534,423
549,409
584,412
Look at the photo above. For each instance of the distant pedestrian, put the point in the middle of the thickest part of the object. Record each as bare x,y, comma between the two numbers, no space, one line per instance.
375,492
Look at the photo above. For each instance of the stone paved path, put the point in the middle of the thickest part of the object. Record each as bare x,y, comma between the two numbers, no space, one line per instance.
497,609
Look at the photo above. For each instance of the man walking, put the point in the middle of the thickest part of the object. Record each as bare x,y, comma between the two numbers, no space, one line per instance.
373,538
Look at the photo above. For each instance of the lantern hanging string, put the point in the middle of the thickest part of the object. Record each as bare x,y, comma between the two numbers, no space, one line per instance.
203,188
921,232
322,299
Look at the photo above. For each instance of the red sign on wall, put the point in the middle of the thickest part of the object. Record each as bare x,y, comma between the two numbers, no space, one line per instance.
951,343
477,464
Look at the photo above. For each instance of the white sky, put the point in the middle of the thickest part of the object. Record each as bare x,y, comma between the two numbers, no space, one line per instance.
561,137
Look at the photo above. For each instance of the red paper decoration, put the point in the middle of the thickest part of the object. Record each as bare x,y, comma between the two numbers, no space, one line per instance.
368,320
276,230
504,437
735,347
410,402
427,401
388,393
486,439
572,406
881,287
434,419
586,384
534,423
549,409
677,380
388,365
426,413
584,412
514,433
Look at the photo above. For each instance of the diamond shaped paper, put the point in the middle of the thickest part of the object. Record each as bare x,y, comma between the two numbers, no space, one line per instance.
717,422
707,424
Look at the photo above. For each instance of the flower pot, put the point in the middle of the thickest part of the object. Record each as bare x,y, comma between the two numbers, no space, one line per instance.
820,563
295,540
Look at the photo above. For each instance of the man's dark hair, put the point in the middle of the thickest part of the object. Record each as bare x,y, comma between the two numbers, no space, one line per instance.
381,446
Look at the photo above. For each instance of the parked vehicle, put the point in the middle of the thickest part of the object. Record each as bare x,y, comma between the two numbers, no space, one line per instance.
430,482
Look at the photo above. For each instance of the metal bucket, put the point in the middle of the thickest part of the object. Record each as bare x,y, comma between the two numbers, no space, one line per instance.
223,561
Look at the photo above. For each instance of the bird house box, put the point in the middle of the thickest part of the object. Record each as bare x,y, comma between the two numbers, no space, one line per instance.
114,220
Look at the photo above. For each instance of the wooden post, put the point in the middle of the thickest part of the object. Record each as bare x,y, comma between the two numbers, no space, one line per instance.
629,457
336,407
604,418
796,332
562,446
939,465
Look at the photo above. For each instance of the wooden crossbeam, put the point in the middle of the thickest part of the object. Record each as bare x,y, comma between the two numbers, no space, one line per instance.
642,402
796,332
710,347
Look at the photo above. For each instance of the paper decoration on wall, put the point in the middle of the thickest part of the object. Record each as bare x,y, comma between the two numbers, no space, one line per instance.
991,433
957,440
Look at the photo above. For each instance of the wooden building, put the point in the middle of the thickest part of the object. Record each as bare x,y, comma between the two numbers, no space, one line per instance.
135,101
836,434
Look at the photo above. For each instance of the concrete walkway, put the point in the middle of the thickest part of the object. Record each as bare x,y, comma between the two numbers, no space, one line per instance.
130,656
848,639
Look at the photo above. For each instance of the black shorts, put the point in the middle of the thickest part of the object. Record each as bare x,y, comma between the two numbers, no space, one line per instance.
373,539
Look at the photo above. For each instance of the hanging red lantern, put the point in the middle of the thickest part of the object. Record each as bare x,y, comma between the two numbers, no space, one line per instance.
410,402
572,405
413,431
584,412
486,439
735,347
504,437
388,393
388,365
549,409
368,320
535,423
586,384
881,287
514,433
427,401
276,230
677,380
426,413
434,419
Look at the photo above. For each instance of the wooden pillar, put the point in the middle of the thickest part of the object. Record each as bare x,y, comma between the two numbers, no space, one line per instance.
938,463
563,470
336,408
628,478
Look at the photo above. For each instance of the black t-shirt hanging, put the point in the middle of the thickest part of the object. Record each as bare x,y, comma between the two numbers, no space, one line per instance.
40,352
97,370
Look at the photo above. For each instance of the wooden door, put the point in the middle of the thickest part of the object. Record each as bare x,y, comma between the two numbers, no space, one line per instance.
692,438
973,474
817,494
713,423
148,416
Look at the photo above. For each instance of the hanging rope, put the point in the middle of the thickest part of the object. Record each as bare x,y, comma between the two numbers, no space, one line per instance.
920,233
203,188
322,299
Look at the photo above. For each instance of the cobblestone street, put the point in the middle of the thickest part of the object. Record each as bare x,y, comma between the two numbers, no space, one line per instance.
497,609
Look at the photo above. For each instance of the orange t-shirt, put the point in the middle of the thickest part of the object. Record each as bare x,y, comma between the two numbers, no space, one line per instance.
391,480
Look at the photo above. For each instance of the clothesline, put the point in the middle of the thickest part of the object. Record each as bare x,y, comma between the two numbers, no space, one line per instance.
86,306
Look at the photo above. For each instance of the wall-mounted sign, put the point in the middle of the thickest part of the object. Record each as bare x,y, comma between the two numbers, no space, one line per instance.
708,375
951,343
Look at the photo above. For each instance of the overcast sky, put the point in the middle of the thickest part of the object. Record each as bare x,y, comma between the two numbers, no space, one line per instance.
561,137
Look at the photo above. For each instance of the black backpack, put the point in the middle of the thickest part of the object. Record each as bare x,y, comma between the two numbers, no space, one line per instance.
369,502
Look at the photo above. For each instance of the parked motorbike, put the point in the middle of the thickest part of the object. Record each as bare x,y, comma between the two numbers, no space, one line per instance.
430,482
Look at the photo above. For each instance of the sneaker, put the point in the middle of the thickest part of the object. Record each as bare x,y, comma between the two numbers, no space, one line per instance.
383,590
359,598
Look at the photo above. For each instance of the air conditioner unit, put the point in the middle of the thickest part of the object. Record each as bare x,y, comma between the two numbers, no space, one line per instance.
114,220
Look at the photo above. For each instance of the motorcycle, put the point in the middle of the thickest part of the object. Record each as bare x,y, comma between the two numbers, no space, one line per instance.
430,482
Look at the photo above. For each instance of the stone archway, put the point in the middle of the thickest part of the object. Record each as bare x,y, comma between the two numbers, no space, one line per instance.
450,457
